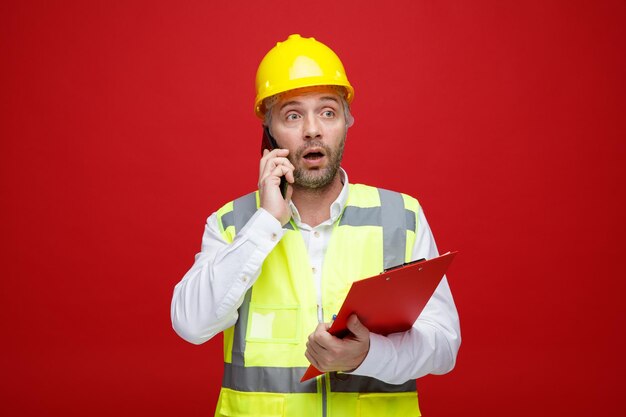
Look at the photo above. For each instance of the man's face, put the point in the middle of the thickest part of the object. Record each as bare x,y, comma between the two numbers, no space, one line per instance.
311,124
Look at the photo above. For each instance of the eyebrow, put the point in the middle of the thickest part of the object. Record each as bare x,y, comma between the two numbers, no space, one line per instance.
325,98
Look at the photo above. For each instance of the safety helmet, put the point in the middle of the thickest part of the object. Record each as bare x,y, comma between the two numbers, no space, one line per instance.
295,63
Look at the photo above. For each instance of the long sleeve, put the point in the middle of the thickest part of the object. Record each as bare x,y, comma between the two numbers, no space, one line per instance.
206,300
431,346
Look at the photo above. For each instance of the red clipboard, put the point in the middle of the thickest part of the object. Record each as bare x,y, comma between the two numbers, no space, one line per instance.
389,302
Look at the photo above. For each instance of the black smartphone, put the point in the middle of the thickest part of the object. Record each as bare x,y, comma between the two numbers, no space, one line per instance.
268,142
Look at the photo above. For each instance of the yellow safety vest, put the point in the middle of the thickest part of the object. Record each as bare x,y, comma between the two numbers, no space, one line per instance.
264,351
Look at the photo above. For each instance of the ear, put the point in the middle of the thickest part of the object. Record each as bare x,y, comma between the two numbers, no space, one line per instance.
349,120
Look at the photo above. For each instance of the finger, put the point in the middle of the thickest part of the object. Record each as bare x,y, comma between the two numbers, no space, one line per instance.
271,164
320,361
280,171
277,152
263,160
273,177
268,155
312,360
314,348
356,327
316,339
290,176
325,340
279,160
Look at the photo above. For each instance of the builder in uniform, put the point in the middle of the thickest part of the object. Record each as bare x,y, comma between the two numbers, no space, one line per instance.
274,268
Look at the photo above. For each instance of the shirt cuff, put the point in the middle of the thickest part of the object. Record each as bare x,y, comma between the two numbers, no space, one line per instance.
263,229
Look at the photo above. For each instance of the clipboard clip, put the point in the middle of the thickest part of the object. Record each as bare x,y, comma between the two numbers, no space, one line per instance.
403,265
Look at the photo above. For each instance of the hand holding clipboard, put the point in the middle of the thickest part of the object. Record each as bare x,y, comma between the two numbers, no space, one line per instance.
389,302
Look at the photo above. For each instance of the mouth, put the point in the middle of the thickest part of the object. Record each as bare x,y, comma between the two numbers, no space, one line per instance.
314,154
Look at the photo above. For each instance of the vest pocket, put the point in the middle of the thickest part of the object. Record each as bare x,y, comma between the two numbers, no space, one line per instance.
388,404
274,323
251,404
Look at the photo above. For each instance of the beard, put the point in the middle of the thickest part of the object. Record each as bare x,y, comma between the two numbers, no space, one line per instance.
318,178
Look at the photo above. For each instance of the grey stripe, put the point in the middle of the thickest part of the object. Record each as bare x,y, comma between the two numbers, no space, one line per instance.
370,216
410,220
243,208
239,337
287,380
228,219
394,227
266,379
357,383
352,216
360,216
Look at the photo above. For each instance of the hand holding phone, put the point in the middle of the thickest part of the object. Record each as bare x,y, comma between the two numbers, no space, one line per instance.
274,166
268,142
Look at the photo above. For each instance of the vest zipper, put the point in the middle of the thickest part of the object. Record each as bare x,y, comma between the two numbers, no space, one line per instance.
323,378
324,382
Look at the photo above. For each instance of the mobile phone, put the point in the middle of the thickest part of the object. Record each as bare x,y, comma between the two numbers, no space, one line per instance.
268,142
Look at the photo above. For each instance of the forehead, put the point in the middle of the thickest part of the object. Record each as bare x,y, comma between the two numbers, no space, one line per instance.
306,94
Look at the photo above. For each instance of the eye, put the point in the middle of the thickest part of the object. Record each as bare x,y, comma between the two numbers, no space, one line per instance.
292,116
328,113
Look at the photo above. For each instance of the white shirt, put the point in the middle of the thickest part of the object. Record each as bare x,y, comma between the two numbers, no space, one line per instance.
206,300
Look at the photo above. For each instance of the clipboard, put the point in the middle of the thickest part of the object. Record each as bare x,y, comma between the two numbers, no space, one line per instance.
391,301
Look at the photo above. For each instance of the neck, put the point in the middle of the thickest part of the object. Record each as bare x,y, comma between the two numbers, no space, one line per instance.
314,203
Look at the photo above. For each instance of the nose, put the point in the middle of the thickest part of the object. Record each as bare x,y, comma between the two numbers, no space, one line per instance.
312,129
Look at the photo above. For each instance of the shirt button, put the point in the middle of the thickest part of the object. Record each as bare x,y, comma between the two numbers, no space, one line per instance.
274,237
316,234
314,270
244,278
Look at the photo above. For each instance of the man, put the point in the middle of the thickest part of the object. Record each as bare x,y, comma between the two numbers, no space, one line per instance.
273,269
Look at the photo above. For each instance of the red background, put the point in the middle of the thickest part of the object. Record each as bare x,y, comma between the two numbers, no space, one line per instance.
124,124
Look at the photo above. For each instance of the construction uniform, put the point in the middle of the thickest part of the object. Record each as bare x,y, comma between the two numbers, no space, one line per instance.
264,339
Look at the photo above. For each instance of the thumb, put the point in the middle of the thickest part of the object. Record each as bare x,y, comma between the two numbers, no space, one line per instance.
357,328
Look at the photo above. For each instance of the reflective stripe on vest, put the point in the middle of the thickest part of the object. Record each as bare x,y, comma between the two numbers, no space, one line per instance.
394,219
243,208
287,380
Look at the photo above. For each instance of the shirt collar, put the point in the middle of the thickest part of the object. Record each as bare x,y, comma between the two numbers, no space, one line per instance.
335,208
